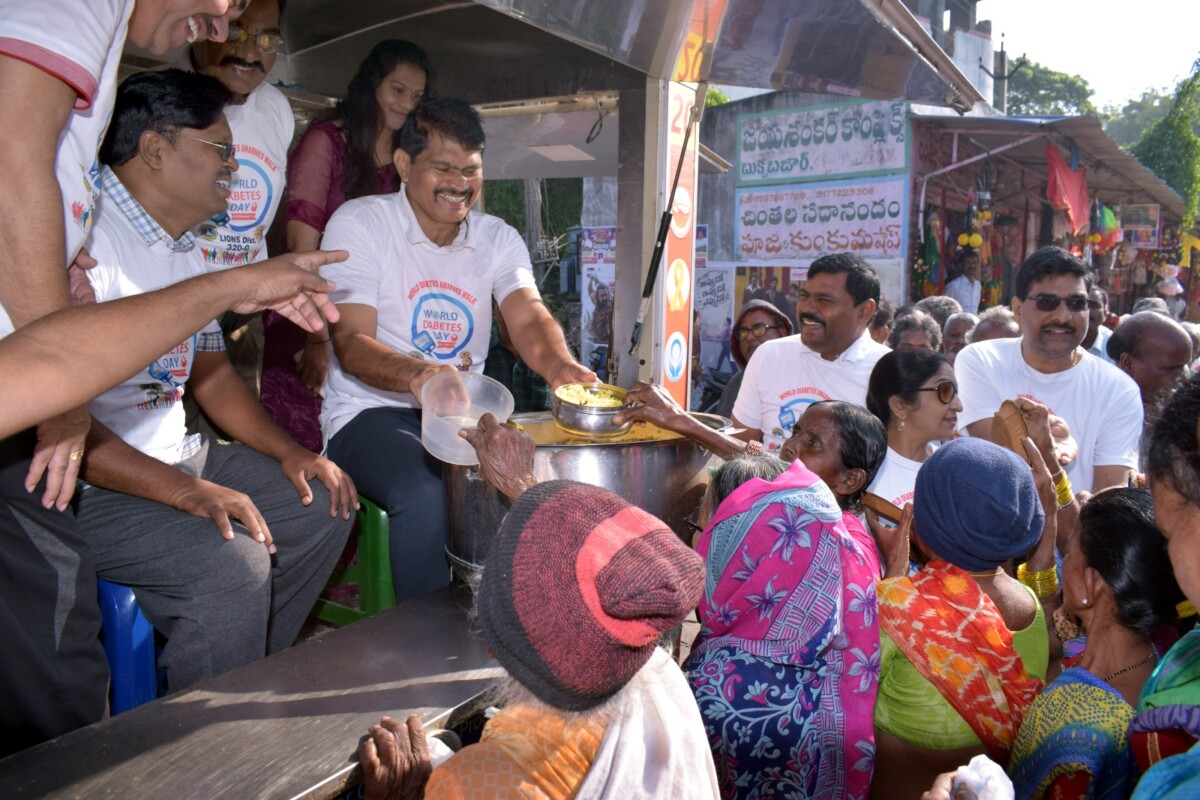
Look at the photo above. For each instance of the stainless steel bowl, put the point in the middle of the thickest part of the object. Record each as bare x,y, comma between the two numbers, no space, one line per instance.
664,474
590,421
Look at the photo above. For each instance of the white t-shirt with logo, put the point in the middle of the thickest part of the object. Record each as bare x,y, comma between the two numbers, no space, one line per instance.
144,410
895,479
262,131
79,43
786,376
433,303
1100,404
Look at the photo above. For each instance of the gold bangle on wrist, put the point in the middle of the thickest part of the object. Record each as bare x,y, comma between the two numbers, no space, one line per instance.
1044,583
1062,490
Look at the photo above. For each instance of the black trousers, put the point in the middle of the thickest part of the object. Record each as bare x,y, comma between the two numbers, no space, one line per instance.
53,674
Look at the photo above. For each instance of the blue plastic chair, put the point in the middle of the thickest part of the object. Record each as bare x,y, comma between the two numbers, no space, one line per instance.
129,646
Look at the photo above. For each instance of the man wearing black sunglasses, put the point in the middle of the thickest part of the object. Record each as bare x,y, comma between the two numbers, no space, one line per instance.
1048,366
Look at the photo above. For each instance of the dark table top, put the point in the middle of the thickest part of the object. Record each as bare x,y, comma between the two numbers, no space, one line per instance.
284,727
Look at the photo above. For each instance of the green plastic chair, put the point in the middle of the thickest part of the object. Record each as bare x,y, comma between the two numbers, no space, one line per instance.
371,570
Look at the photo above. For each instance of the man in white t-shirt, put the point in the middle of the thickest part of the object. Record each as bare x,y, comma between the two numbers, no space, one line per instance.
966,288
415,298
58,70
1095,341
226,595
262,124
830,359
1047,365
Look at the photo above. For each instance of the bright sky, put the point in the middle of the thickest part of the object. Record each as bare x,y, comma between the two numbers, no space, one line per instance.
1120,48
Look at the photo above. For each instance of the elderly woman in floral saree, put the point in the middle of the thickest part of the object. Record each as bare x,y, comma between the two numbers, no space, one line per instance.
785,667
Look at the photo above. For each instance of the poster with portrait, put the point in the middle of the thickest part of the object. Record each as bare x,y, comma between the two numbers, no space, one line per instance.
714,301
1142,224
598,264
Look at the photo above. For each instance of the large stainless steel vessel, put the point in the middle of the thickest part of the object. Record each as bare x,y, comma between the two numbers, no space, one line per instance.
658,471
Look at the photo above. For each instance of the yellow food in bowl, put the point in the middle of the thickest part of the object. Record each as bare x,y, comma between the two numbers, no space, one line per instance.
580,395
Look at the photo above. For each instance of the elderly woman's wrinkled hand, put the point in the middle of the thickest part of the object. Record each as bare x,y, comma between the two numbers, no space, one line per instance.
1043,480
395,760
649,402
943,789
893,543
1037,421
505,455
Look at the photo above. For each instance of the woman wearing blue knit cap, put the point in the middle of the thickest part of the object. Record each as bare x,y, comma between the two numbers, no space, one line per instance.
964,646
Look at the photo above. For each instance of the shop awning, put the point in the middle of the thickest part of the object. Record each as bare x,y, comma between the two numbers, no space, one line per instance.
495,51
1113,175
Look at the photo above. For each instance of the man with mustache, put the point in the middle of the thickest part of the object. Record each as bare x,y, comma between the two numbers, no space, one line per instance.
262,124
830,359
1048,365
58,77
415,299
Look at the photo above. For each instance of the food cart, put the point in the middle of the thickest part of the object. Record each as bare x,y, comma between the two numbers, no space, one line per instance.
543,72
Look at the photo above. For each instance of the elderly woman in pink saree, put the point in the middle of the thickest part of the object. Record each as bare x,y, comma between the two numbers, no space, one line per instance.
786,665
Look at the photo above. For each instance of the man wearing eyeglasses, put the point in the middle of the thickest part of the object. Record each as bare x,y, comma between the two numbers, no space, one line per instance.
758,322
1047,365
262,124
227,545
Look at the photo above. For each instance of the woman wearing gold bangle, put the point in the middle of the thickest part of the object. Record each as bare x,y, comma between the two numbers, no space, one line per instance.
1117,587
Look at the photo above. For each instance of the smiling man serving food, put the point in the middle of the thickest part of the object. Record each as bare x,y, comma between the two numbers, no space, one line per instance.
415,299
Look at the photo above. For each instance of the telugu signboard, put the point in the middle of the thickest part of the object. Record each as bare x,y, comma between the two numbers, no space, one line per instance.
822,142
799,223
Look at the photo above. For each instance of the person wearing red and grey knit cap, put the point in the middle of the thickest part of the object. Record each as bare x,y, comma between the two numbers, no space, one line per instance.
577,590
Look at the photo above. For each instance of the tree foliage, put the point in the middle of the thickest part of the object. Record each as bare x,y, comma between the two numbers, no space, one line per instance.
1037,91
1170,147
1126,124
715,97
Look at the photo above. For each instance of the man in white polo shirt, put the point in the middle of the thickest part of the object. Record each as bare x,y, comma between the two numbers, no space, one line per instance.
415,298
830,359
1048,365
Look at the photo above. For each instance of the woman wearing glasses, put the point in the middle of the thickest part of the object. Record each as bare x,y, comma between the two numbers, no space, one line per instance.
914,395
758,322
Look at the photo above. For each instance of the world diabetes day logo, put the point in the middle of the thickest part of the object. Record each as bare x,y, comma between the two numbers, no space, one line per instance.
442,322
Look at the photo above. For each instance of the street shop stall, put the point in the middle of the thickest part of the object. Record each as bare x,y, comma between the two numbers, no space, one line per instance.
1003,186
572,88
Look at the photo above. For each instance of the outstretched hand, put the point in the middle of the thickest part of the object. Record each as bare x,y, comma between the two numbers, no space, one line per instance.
395,760
649,402
290,285
505,455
